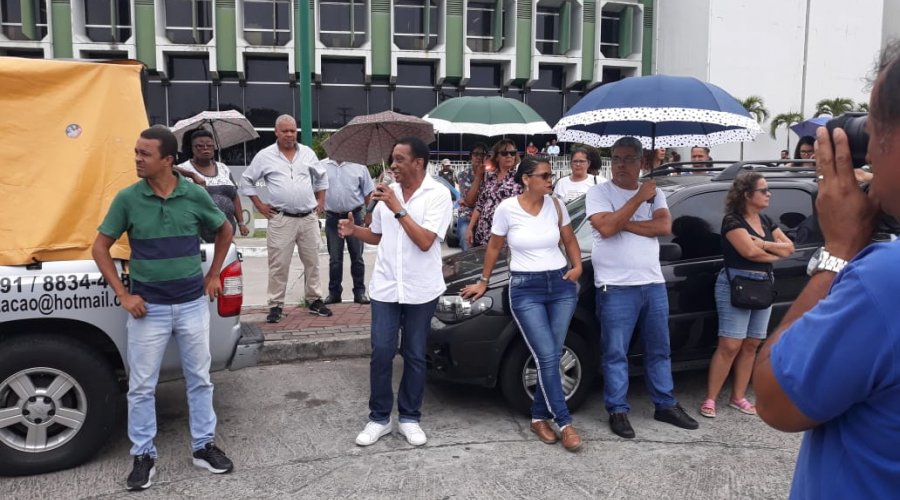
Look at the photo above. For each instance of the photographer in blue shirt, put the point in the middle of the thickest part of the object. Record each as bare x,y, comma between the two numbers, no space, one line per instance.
832,368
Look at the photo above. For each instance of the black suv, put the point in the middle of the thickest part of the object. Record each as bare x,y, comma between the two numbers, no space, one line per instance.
478,342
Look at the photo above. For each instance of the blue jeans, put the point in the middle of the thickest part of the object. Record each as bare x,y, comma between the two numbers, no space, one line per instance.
336,255
542,305
387,318
737,322
462,225
619,310
147,339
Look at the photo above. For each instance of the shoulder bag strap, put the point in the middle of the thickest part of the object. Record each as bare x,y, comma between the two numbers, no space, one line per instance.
558,210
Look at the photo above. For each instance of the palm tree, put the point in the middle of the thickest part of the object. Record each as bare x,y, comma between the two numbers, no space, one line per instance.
834,107
784,120
755,106
862,107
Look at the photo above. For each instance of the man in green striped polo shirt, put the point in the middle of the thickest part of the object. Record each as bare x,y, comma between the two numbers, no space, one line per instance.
162,214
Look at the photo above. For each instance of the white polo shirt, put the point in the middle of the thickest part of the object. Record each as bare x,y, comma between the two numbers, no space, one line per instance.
403,273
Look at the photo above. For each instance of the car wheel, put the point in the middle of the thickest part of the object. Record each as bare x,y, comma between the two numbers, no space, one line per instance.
58,403
518,377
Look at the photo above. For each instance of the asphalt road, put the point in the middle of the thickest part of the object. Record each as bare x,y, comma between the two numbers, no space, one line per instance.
290,430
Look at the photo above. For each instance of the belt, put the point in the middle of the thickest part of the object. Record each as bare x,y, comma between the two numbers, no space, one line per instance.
290,214
341,215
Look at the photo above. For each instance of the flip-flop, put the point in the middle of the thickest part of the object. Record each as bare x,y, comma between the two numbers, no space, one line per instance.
708,408
743,406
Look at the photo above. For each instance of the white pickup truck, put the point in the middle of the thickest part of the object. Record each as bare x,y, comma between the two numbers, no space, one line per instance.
63,373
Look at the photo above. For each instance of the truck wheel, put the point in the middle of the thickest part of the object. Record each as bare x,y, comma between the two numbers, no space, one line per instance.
58,403
518,375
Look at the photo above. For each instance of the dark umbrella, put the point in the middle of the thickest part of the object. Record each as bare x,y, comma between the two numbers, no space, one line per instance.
368,139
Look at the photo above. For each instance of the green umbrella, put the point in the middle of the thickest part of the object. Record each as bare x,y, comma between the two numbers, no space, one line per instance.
487,116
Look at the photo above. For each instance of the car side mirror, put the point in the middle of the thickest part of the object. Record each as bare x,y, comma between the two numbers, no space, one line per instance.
669,251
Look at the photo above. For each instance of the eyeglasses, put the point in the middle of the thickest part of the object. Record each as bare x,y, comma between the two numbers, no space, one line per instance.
507,153
627,160
204,146
545,176
762,190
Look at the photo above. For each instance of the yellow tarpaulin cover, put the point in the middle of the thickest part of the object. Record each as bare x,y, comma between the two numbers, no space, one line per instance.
67,136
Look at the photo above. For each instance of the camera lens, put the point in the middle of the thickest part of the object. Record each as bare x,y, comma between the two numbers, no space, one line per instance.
854,125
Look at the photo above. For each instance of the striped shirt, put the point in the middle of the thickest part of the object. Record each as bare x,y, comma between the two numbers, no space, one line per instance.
165,238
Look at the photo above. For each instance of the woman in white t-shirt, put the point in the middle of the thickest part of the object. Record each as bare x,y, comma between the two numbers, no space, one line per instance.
570,187
542,287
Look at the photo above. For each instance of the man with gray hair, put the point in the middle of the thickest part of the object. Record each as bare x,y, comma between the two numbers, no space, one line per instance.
296,183
627,216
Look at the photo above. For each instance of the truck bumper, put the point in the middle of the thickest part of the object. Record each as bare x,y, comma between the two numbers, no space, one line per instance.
247,351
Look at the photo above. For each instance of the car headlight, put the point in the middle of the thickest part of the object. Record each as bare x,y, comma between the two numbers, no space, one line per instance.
453,308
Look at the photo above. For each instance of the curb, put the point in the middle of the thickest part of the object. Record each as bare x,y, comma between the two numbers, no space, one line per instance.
312,348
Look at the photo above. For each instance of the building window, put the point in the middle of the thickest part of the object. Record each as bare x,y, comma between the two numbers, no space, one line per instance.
546,96
189,21
481,33
30,24
342,23
342,93
546,36
416,24
267,22
415,94
107,21
189,91
609,33
267,93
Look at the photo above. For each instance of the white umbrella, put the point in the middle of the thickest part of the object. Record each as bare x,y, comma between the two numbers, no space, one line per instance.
227,127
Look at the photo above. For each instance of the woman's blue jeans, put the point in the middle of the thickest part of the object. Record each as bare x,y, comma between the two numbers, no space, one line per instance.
542,305
619,310
387,317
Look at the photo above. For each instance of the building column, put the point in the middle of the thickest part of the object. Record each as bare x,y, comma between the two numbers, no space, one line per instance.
61,16
226,37
524,40
29,19
626,32
589,41
303,52
381,37
647,45
455,38
565,27
145,32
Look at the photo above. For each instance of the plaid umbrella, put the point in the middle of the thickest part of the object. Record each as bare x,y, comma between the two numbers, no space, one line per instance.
228,127
368,139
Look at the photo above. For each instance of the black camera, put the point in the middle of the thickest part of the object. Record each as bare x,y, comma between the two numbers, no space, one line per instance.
854,125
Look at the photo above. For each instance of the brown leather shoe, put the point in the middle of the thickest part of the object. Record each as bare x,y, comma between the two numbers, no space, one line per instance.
544,432
570,439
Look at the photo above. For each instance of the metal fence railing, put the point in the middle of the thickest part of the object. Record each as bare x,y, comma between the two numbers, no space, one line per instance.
559,165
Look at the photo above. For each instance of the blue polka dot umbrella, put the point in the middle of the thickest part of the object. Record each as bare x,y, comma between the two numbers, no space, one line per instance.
661,111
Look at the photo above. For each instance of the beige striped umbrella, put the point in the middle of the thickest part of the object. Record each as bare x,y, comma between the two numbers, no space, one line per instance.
368,139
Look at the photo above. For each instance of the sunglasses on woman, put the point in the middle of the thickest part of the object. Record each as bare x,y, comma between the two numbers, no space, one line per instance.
545,176
507,153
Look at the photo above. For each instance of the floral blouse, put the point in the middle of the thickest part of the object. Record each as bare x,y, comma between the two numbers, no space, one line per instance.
493,191
465,179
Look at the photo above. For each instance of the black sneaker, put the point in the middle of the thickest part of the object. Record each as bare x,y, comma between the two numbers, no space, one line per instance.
318,307
142,473
620,425
677,417
213,459
274,315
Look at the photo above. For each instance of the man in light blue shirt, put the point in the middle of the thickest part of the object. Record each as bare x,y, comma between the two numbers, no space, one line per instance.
349,191
296,183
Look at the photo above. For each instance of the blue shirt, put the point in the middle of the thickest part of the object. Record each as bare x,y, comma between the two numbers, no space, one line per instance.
840,365
348,185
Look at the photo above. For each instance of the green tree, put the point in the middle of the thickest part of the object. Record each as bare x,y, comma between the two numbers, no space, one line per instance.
755,105
784,120
319,139
834,107
862,107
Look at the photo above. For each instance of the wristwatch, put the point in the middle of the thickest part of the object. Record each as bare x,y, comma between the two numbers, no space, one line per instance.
822,260
400,214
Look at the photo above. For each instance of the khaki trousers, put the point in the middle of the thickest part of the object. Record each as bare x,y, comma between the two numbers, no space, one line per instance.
281,236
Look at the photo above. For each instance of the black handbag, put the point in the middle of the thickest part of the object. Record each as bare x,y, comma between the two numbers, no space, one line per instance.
749,293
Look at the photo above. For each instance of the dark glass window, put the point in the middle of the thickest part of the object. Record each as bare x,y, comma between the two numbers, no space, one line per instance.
266,138
379,99
155,101
696,225
468,92
266,69
11,24
231,96
609,34
412,101
448,92
485,75
339,105
188,99
188,67
610,75
189,21
515,93
572,97
343,71
416,24
792,210
548,104
415,73
480,18
549,77
266,102
547,30
28,53
267,22
104,55
342,23
107,20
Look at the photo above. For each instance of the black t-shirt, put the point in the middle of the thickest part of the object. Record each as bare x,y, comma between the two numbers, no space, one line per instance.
731,256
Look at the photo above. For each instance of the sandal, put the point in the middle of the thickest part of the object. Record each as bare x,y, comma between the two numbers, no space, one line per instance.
708,408
743,406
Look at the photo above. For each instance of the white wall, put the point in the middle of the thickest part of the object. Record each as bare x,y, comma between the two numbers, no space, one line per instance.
755,47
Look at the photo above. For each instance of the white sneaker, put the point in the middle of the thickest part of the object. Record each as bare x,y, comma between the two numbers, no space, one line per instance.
372,433
413,433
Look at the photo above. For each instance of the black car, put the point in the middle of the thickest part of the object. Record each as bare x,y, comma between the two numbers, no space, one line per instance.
478,342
